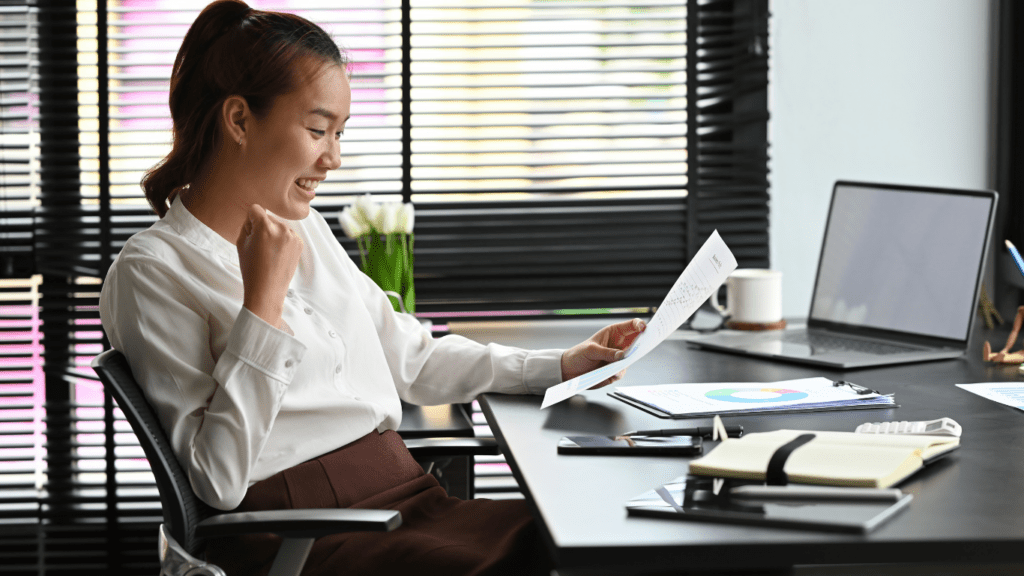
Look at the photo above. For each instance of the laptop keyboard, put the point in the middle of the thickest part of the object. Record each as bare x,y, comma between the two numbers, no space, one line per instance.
821,342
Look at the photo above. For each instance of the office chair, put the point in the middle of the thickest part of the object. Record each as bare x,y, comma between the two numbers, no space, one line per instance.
188,521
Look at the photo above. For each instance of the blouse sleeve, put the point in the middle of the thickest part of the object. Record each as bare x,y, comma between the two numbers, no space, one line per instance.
428,371
218,413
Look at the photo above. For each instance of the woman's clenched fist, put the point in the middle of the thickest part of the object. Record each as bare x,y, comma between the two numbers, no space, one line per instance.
268,254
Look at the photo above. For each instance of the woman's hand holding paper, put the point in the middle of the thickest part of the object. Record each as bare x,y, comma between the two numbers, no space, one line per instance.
606,346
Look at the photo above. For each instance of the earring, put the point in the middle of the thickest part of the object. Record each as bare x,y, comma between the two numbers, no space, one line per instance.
239,140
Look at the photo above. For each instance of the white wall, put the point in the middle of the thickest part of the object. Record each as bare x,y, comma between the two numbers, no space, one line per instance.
873,90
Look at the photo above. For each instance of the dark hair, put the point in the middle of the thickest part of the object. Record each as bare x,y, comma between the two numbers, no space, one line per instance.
230,49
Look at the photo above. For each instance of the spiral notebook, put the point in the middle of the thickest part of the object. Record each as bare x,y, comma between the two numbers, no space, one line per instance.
731,398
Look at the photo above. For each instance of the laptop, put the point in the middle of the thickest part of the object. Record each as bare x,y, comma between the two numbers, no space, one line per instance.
898,280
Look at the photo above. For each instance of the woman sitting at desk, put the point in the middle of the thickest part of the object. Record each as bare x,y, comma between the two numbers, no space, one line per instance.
274,364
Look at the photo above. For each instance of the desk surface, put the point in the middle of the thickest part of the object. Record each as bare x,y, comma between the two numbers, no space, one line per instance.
966,508
434,421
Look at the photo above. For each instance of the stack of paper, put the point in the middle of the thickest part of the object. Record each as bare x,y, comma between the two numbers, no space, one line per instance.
1009,393
724,398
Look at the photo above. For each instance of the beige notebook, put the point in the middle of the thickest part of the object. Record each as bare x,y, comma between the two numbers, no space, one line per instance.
830,458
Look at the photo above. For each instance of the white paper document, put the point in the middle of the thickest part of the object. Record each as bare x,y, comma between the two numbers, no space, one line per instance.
703,275
1009,393
708,399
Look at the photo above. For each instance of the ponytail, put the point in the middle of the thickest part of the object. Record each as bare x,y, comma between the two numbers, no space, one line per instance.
230,49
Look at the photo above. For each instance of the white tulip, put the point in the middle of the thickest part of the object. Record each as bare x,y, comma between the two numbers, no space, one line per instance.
405,218
387,218
352,227
366,211
397,212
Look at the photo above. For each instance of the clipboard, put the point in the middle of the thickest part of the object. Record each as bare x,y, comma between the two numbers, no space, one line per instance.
667,416
710,403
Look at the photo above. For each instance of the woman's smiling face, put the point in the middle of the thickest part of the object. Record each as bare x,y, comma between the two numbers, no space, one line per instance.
289,151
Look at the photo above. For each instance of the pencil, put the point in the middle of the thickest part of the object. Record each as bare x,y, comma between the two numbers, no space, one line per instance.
1016,256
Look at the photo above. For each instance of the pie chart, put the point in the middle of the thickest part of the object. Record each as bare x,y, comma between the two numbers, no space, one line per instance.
756,395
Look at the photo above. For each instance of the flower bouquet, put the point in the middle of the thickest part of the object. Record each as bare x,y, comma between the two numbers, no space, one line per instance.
383,232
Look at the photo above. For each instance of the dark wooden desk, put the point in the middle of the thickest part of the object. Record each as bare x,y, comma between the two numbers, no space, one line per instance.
968,508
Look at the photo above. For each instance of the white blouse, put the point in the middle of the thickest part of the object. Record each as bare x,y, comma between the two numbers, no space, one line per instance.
242,400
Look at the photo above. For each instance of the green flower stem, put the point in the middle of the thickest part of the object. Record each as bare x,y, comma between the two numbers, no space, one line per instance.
409,288
360,240
387,259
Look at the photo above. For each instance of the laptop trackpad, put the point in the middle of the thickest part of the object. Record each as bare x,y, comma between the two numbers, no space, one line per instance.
765,343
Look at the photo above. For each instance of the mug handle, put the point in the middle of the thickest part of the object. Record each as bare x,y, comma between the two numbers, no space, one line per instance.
723,310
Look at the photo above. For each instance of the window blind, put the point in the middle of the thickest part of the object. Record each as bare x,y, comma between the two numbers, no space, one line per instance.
543,143
547,155
563,157
18,140
21,391
21,438
727,128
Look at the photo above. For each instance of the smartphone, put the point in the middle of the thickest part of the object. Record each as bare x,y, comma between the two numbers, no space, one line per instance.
640,446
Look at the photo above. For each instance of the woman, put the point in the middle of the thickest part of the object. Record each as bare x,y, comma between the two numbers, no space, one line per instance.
274,364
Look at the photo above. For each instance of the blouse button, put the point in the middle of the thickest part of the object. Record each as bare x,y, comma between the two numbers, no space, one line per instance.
289,363
291,293
308,310
337,369
332,333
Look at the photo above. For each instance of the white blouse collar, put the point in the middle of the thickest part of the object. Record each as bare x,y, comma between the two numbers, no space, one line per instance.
192,229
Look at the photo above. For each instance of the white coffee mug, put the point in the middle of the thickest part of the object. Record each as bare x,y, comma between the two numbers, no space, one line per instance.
753,296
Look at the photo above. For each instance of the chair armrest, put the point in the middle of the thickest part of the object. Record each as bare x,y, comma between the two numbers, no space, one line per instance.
300,523
443,447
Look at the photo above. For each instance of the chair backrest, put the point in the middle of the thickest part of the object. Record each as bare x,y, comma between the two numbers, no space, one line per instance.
182,509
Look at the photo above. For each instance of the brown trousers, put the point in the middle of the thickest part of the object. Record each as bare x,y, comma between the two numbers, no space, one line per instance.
439,534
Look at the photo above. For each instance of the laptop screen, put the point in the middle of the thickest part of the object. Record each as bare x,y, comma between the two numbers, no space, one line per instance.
904,260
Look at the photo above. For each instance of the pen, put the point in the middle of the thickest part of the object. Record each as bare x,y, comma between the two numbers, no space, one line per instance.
734,431
816,492
1016,256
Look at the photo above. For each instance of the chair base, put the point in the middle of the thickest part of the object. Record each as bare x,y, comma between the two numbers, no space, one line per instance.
174,561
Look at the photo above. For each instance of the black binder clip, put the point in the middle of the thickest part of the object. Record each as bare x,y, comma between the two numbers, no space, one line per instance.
856,387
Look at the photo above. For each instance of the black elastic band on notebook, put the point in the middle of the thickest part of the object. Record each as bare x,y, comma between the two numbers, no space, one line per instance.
775,476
